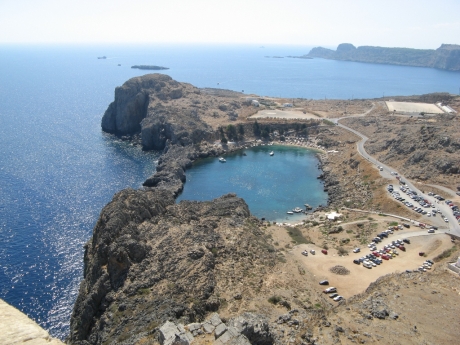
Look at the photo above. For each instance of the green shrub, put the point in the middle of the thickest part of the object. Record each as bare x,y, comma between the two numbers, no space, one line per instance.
274,299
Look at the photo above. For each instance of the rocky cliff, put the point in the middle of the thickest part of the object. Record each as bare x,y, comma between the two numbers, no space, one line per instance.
447,56
161,109
151,260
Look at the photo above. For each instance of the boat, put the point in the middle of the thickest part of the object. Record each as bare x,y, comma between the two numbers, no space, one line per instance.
290,212
297,210
272,153
222,160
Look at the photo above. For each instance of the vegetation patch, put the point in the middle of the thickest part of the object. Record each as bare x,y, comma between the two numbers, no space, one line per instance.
274,299
297,235
445,254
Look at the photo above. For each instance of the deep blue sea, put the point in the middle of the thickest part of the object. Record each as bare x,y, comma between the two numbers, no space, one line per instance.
57,169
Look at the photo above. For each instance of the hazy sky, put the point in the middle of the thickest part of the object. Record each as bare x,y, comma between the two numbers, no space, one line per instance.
392,23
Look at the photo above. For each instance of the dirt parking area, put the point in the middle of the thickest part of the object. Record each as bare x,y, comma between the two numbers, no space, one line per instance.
410,107
360,277
283,114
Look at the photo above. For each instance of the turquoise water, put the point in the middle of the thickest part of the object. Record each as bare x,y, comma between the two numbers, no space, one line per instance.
57,169
270,185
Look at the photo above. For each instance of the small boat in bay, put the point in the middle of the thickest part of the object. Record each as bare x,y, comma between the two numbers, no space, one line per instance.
222,159
297,210
290,212
272,153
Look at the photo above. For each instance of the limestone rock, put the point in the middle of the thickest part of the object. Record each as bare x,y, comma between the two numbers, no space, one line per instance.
172,334
17,328
254,327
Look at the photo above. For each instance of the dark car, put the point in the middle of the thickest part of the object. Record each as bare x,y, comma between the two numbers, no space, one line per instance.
324,251
356,261
406,240
406,225
324,282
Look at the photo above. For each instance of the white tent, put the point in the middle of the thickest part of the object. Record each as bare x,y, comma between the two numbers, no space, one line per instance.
333,215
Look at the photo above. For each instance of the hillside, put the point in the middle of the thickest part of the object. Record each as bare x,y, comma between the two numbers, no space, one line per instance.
446,57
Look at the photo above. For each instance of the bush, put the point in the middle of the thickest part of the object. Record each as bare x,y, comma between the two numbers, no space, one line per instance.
445,254
342,251
274,299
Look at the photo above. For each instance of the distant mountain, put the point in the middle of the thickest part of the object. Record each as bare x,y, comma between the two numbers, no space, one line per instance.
446,57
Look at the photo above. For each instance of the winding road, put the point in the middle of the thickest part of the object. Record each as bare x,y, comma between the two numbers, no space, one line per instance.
451,227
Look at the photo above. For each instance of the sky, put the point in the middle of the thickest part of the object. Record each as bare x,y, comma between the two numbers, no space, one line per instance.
390,23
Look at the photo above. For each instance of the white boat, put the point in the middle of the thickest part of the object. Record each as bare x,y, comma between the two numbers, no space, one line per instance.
272,153
297,210
290,212
222,160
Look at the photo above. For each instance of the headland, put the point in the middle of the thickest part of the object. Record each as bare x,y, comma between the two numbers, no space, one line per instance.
446,57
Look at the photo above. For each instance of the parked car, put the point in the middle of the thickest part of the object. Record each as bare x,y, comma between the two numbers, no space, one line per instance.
421,253
406,240
329,290
338,298
332,295
324,251
324,282
356,261
431,231
312,251
356,250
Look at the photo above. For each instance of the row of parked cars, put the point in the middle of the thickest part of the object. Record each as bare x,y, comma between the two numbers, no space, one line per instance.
388,251
426,207
454,208
331,291
426,265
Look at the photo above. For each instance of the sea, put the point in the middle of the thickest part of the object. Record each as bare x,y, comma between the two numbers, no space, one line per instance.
58,169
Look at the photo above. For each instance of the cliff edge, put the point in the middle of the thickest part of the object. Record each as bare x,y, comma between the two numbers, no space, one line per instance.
446,57
17,328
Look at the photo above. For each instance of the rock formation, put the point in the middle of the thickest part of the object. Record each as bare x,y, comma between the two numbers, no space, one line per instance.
151,260
447,56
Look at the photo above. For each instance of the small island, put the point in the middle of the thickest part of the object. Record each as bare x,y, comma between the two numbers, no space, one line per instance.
150,67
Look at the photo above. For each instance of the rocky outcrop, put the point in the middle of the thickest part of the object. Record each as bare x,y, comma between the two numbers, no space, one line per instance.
126,112
17,328
151,260
445,57
161,109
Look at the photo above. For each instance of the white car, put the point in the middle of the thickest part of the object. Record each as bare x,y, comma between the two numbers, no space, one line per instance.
338,298
446,220
356,250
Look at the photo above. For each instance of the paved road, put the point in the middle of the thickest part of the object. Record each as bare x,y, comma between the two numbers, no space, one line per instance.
452,226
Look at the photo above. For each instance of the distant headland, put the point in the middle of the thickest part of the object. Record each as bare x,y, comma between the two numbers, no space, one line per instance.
150,67
446,57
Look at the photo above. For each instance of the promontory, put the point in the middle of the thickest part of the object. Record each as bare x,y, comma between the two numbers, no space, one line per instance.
446,57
